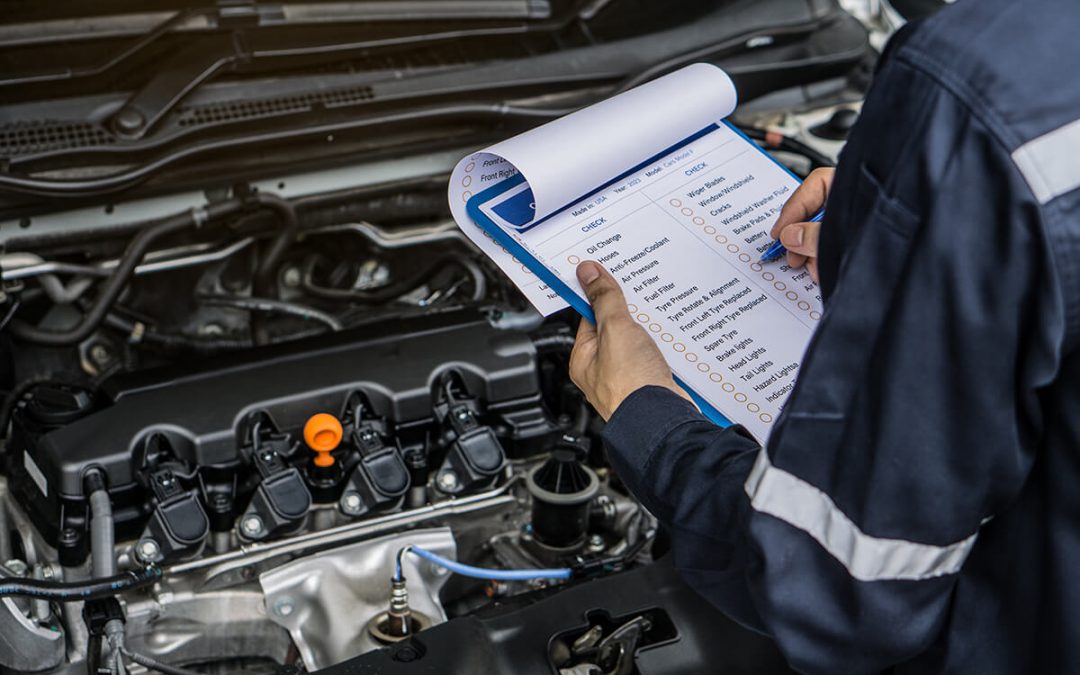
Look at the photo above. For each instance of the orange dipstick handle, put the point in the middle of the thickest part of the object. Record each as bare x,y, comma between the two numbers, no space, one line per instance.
323,433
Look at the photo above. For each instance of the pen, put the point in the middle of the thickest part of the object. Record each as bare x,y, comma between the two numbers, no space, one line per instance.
776,249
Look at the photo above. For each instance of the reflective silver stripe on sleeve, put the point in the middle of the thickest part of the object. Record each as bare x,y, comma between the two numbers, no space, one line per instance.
801,505
1049,163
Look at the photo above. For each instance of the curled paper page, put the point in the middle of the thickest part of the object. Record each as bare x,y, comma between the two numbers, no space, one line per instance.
567,158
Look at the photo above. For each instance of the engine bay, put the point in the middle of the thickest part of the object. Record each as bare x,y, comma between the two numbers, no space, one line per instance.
440,431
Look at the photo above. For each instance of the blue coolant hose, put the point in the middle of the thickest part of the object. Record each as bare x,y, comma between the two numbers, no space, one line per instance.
480,572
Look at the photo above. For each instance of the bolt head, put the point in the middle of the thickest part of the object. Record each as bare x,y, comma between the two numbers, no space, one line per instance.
448,481
351,502
284,607
251,526
291,277
148,550
100,354
17,567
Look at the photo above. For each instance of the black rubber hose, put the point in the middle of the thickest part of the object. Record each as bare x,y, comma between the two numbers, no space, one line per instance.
74,591
141,334
265,284
115,284
386,293
268,305
290,226
787,144
149,336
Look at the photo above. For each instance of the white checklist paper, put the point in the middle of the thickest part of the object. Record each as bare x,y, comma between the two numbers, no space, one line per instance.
567,154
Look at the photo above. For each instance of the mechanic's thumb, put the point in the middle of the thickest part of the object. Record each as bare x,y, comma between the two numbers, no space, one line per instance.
801,238
603,292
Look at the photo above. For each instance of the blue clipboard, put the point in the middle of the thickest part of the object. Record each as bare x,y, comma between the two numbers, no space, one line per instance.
580,304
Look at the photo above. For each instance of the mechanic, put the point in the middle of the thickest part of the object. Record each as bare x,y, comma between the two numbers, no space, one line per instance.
917,506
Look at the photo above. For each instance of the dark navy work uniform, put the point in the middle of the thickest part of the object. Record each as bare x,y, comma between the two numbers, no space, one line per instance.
917,507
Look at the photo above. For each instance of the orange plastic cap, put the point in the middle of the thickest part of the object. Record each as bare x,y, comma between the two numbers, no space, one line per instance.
323,433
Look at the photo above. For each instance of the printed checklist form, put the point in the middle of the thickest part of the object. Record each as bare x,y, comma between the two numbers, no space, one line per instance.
677,205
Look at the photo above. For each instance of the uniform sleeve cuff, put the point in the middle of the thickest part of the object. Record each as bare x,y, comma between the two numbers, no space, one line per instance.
641,422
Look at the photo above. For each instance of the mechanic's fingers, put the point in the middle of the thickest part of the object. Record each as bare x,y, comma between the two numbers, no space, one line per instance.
583,353
586,333
801,238
806,201
811,267
604,294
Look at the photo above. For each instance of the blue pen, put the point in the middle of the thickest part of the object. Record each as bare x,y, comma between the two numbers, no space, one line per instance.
776,249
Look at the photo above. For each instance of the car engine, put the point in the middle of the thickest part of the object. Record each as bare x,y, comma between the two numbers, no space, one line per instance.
266,410
272,488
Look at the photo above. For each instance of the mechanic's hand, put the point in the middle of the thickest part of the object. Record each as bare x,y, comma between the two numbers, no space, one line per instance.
616,357
797,235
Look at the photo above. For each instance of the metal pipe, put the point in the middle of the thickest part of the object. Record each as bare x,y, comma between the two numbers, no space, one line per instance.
40,608
78,635
526,321
256,552
24,265
405,237
478,279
